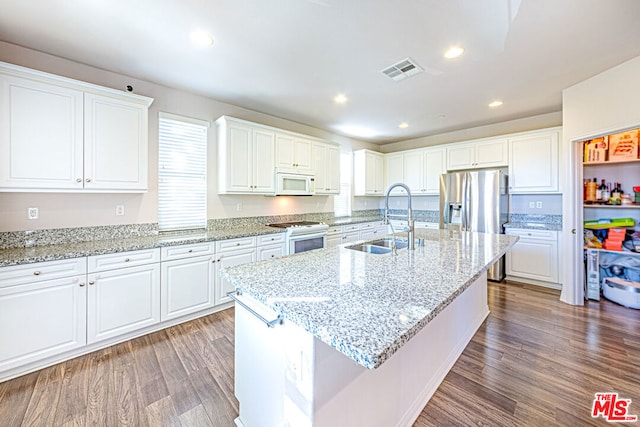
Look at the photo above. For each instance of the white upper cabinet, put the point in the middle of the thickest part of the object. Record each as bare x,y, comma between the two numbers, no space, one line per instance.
58,134
422,170
115,143
368,173
533,162
245,158
394,167
478,154
293,153
327,166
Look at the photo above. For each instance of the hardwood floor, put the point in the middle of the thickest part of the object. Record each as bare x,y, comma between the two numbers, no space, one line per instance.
534,362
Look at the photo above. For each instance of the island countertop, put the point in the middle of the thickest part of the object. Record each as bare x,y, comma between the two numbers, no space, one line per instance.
367,306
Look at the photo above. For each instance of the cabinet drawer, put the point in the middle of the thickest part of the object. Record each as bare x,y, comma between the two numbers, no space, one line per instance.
39,271
233,244
122,259
350,227
271,239
367,225
270,252
334,230
185,251
533,233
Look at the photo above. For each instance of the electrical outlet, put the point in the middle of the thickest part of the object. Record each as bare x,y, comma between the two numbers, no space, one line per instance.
119,210
532,205
539,204
32,213
238,207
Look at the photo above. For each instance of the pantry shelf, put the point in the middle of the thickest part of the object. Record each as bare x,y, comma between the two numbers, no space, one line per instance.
608,162
632,206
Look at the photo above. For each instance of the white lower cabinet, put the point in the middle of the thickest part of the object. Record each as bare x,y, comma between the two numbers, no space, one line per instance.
122,300
186,286
41,319
123,293
334,236
534,256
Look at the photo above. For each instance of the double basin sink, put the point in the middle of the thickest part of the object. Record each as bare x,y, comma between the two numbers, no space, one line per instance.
380,246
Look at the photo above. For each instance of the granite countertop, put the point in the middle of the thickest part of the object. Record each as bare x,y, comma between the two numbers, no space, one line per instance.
534,225
368,306
17,256
334,222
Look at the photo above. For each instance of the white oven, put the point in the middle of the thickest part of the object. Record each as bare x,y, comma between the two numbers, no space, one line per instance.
302,236
306,242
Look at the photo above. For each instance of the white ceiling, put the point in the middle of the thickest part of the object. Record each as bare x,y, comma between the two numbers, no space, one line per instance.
289,58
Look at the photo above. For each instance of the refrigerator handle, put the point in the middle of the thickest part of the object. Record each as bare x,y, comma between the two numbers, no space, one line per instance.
466,191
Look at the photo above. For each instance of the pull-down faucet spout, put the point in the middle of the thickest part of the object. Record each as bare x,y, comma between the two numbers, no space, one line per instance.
410,222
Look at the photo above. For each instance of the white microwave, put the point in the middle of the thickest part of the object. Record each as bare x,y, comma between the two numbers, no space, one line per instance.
292,184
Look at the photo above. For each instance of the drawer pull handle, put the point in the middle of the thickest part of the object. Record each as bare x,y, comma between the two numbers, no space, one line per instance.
36,273
190,250
81,284
91,282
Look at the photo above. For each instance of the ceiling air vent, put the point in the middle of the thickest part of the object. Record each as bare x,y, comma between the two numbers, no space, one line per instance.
403,69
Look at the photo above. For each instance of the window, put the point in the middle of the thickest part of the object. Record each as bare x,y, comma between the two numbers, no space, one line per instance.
182,173
342,202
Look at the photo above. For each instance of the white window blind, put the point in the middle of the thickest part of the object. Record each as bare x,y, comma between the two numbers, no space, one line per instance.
182,173
342,202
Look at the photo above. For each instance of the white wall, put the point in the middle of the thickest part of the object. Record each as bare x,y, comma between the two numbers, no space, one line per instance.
75,210
598,106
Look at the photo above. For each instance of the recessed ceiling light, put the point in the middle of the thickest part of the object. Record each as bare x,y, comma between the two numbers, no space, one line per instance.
453,52
495,104
403,125
340,98
201,38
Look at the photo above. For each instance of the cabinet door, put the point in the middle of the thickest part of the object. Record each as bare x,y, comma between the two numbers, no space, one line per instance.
414,171
461,157
491,153
320,164
285,156
395,172
186,286
334,240
332,171
123,300
434,166
374,174
115,144
534,259
41,141
533,164
262,159
41,319
302,150
238,158
230,259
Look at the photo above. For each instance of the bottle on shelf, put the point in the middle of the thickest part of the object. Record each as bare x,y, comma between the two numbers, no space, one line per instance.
606,192
617,191
599,191
591,190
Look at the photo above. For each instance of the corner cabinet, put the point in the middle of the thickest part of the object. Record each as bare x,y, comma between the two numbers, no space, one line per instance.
246,156
59,134
478,154
327,166
368,173
533,162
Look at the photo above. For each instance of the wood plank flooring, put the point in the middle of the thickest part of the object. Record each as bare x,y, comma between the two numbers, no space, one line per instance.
534,362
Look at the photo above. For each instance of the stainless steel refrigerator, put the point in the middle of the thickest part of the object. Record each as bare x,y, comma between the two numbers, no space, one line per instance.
475,201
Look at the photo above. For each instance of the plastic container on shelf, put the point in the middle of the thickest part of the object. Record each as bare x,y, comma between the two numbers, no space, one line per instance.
596,224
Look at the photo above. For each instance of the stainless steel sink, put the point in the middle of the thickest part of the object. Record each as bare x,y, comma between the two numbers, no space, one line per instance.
372,249
387,242
380,246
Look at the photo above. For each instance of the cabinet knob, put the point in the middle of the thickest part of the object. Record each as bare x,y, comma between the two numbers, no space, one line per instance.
36,273
273,256
78,179
126,260
237,244
81,284
190,250
88,180
91,282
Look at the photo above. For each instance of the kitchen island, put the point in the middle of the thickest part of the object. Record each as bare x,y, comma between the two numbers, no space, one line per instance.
365,339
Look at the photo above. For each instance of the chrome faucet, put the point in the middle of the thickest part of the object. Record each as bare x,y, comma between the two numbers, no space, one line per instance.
410,222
